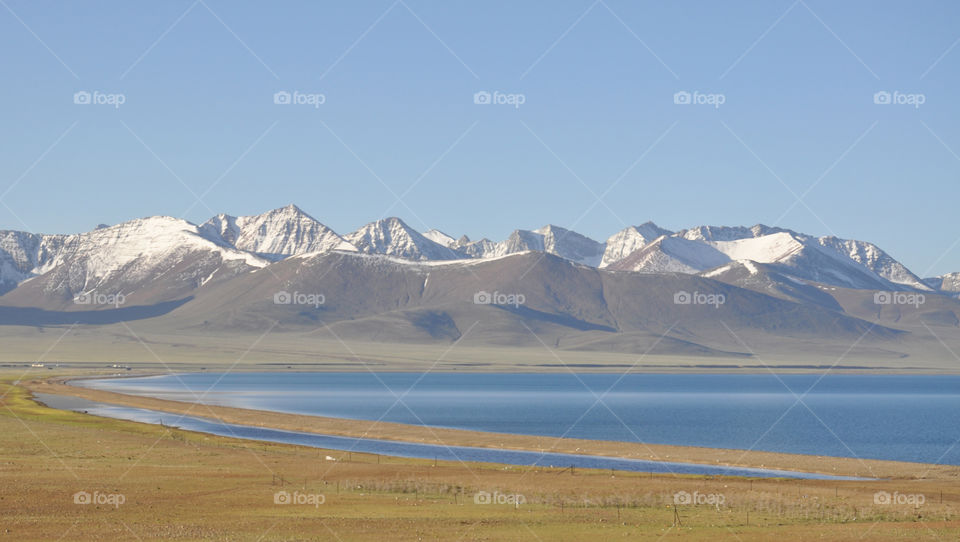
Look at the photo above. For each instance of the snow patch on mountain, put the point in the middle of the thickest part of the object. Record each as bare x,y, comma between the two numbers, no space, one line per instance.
765,249
440,238
748,265
672,255
375,257
727,233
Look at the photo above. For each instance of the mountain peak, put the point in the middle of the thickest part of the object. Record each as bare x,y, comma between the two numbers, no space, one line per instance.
275,234
547,228
553,240
290,210
393,237
629,240
649,225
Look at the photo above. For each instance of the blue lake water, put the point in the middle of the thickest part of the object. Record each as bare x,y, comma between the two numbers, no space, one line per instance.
417,450
898,417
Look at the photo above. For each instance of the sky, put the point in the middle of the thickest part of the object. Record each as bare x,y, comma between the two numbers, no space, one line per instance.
479,118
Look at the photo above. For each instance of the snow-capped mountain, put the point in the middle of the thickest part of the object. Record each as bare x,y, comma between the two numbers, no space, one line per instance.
162,257
484,248
19,254
156,257
774,246
275,234
949,282
783,290
629,240
878,261
570,245
393,237
551,239
827,260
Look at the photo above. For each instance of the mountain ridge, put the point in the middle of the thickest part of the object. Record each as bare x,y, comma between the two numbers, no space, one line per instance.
701,292
71,264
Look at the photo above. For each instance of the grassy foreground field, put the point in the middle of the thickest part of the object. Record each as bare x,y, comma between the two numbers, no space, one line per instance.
155,483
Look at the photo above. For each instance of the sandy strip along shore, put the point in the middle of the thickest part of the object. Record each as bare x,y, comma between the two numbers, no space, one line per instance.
867,468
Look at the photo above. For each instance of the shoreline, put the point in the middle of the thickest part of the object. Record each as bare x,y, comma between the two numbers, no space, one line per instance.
344,427
474,368
505,458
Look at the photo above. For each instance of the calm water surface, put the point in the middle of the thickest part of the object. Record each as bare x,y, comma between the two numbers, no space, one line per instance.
908,418
411,449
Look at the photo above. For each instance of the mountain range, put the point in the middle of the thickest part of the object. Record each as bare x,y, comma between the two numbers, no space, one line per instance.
387,282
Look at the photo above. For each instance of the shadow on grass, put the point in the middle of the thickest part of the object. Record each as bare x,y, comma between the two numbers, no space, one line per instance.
28,316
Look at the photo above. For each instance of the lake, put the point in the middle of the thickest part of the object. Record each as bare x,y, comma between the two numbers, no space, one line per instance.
417,450
896,417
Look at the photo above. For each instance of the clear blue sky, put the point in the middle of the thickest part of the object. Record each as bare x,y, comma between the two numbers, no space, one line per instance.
399,118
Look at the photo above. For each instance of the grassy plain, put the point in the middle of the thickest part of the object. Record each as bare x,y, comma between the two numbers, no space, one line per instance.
178,485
